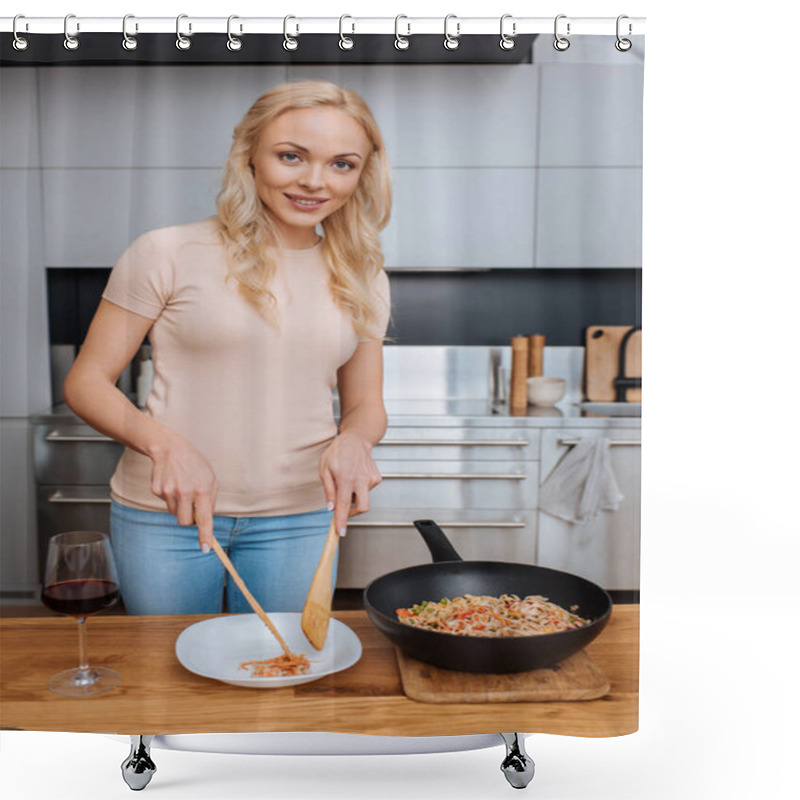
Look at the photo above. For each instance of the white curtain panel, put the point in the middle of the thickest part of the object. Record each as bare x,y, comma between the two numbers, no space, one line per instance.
516,212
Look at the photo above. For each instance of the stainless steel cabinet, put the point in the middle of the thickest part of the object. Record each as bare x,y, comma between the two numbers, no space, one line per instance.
605,551
73,464
589,217
69,508
18,562
375,544
479,484
73,454
569,143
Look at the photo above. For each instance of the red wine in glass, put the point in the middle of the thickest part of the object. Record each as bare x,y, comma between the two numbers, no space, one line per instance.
79,598
81,579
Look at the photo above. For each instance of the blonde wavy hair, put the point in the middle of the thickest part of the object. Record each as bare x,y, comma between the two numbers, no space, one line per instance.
351,246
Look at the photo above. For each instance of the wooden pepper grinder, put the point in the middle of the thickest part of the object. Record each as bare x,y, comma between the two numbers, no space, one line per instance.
536,356
519,374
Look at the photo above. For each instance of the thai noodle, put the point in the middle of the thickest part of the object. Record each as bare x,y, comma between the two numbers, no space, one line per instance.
282,666
507,615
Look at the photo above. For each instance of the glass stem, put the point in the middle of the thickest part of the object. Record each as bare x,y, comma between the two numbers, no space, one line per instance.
83,665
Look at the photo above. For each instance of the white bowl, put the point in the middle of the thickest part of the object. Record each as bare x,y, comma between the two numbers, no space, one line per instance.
545,391
544,411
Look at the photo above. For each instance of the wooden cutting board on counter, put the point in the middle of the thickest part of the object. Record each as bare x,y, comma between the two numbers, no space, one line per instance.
603,344
576,678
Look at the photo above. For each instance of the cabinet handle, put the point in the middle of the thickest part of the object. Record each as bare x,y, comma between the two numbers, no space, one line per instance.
59,497
55,436
460,442
445,476
612,442
368,524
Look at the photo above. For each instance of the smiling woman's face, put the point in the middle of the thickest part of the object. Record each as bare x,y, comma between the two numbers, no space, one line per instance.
306,165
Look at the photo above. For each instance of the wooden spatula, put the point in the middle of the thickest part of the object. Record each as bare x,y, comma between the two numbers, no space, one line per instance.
223,557
317,610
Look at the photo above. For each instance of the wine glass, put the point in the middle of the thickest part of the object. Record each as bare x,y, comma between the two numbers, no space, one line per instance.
80,579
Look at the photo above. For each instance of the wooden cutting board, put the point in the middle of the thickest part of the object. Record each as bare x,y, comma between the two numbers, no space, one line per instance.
602,362
576,678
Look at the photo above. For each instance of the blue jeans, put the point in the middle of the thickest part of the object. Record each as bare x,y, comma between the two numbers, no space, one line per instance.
163,571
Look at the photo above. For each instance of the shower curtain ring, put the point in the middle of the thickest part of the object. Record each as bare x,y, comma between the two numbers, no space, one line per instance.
182,43
233,43
288,42
623,45
561,43
507,42
129,42
451,41
345,42
70,42
20,42
401,42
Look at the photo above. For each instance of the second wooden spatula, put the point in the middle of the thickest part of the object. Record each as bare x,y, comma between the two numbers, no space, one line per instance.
317,610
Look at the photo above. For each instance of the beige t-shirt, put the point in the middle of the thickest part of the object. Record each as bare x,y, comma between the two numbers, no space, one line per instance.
254,399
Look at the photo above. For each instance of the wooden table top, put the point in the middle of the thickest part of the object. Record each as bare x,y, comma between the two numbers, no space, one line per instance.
159,696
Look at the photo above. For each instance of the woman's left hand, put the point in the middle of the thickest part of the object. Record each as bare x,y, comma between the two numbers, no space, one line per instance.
348,473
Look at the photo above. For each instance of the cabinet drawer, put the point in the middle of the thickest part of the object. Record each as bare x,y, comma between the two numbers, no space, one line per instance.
73,454
458,444
456,484
386,540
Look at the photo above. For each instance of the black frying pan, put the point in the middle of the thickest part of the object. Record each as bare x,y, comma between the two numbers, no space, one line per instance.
450,576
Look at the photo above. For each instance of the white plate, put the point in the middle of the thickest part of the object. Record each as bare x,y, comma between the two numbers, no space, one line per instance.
214,648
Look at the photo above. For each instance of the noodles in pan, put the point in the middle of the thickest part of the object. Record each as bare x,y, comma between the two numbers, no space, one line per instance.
507,615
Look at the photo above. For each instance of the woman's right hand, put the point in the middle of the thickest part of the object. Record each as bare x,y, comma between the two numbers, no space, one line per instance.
184,479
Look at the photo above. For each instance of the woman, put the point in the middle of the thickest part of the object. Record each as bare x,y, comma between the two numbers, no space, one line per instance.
253,318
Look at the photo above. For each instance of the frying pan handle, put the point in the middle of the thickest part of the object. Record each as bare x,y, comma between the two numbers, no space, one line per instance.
437,542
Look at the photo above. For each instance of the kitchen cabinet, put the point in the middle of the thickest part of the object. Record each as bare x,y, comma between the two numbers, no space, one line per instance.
589,181
605,96
384,540
443,115
69,508
560,166
497,518
589,217
24,358
73,454
605,551
24,367
94,214
18,559
147,117
480,484
19,142
453,180
73,464
444,218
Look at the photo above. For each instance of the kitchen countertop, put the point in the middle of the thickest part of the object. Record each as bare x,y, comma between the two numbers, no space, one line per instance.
484,412
455,412
158,696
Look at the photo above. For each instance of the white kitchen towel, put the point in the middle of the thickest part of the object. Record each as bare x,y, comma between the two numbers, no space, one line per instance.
582,484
